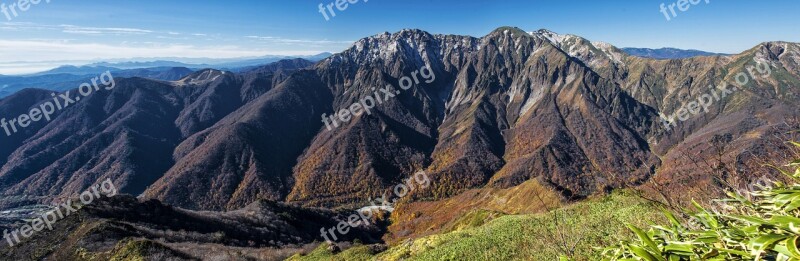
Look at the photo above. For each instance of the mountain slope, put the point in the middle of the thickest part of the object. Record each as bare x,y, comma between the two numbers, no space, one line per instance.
127,134
249,153
126,228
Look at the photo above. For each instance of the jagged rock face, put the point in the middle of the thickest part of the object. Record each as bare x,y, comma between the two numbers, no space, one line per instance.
503,109
508,107
544,114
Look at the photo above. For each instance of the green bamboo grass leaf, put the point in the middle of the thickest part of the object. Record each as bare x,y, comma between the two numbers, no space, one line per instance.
742,254
672,219
699,207
786,222
761,244
792,206
795,175
786,198
644,254
679,248
794,163
707,239
792,247
645,239
665,229
706,217
780,247
710,254
752,220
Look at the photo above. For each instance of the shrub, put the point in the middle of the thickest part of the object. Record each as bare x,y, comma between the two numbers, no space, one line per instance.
762,225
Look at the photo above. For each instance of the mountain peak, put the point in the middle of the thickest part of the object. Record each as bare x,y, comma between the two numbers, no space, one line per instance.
200,77
543,31
411,31
404,33
508,29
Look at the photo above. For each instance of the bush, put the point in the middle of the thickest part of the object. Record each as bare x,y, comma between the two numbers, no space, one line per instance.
762,225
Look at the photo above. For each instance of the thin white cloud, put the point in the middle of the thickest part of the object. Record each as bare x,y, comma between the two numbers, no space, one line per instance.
36,54
26,68
280,40
26,26
172,37
43,51
47,46
260,37
73,29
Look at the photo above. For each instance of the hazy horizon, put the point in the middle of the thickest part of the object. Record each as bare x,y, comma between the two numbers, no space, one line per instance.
46,33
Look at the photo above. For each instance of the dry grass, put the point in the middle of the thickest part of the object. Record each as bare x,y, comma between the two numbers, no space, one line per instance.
425,218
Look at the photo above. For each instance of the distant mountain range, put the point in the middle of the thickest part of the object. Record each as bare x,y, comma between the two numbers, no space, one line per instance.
69,76
219,64
667,53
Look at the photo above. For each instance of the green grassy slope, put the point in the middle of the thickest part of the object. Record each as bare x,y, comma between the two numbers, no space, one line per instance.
586,224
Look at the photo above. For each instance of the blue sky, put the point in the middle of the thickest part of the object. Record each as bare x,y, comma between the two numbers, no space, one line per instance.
70,31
